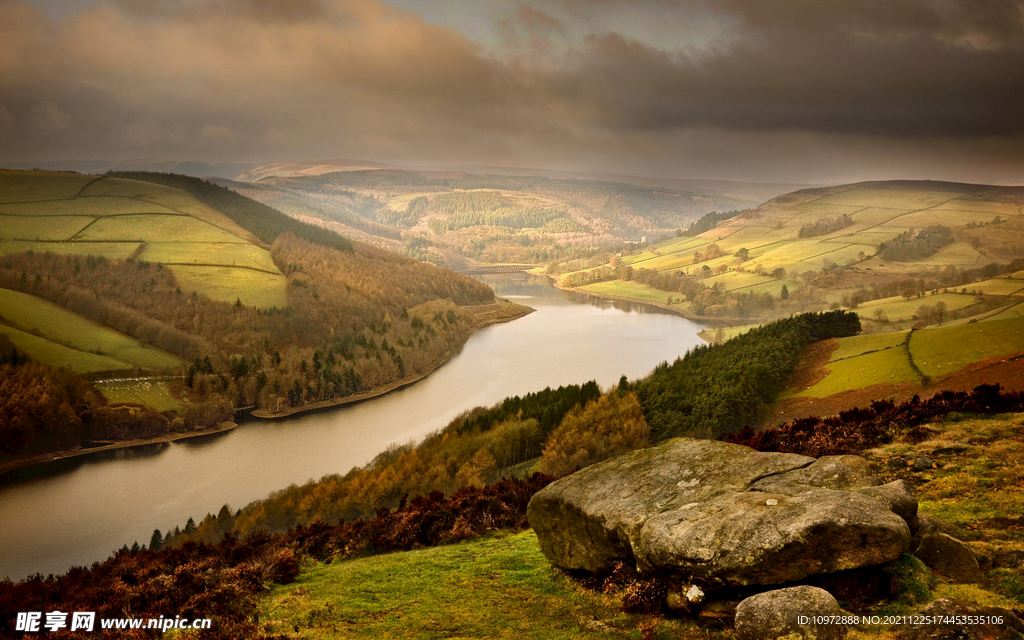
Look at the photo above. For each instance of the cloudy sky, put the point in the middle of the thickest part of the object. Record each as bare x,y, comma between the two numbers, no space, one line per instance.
762,90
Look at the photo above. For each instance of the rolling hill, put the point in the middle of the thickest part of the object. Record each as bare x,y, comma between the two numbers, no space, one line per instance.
455,218
215,300
874,247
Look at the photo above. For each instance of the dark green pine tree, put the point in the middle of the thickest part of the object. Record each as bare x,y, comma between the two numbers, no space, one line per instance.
157,541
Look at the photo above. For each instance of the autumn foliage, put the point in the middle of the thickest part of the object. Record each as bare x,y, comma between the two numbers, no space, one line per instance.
883,422
609,427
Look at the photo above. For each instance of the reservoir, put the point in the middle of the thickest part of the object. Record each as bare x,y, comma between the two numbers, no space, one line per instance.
81,512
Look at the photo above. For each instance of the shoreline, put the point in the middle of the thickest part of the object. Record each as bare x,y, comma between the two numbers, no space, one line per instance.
481,322
482,317
67,454
711,320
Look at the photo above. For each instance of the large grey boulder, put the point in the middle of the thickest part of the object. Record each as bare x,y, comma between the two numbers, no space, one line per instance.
722,514
797,612
592,518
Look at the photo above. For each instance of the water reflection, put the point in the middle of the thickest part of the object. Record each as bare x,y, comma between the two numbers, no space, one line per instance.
77,512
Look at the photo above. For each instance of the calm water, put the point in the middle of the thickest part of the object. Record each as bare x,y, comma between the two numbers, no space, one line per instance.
81,513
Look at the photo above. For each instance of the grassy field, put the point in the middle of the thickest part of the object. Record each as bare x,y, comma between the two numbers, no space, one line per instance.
496,587
998,286
256,288
899,308
57,355
632,290
861,361
84,206
112,250
859,345
946,349
155,228
889,366
41,227
58,325
1016,311
210,253
151,393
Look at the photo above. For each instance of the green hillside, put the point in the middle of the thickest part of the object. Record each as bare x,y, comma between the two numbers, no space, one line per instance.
117,219
873,247
918,356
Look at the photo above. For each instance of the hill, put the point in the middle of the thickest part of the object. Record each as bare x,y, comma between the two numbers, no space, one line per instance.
873,247
217,301
837,375
455,218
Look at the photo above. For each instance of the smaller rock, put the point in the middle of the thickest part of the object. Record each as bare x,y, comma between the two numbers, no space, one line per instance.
1008,559
924,463
931,524
789,613
946,555
1011,628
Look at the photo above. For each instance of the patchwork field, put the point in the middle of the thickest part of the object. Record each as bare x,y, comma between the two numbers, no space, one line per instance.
793,238
887,366
28,186
57,355
42,227
119,219
899,308
940,351
865,360
633,290
55,325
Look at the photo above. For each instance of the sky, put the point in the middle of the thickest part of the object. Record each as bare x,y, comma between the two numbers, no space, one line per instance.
754,90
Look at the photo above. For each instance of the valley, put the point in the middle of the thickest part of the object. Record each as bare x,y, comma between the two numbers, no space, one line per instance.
222,303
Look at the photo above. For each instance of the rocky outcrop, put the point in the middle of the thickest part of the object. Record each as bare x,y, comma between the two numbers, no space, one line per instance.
797,612
713,514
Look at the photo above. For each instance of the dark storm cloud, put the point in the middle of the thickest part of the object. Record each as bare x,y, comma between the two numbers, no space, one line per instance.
906,69
800,84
